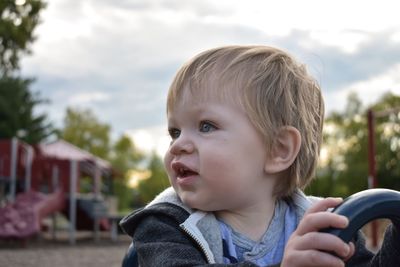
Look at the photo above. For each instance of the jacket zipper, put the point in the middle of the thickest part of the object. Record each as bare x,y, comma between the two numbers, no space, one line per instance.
206,252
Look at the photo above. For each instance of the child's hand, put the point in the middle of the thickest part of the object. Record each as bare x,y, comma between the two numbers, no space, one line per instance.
308,247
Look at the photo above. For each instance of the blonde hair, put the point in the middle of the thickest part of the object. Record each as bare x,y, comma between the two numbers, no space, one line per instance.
274,90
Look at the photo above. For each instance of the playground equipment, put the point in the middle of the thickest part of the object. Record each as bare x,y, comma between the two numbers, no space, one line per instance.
22,218
15,156
366,206
38,181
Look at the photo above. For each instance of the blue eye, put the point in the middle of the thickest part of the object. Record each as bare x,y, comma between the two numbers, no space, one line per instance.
174,133
206,127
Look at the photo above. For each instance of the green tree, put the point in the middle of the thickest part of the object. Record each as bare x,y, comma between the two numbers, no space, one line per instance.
83,129
124,157
156,183
18,22
346,139
17,116
387,138
17,104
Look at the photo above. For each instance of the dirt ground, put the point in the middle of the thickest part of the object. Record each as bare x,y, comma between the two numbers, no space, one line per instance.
46,252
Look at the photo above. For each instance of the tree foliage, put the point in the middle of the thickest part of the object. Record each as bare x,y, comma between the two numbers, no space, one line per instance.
17,104
388,142
156,183
346,138
83,129
19,19
124,157
17,115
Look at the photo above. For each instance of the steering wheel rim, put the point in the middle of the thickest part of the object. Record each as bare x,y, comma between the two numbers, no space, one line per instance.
366,206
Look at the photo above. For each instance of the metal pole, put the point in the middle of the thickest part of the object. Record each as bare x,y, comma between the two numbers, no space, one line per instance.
96,189
97,181
28,168
372,181
72,200
54,180
2,185
55,177
13,168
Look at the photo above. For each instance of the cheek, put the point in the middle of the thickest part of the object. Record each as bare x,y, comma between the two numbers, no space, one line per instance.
221,167
167,162
234,163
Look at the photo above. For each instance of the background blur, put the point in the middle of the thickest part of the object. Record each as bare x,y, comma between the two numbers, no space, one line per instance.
95,73
104,67
117,58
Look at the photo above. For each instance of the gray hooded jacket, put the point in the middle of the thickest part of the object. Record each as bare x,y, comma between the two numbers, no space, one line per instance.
168,233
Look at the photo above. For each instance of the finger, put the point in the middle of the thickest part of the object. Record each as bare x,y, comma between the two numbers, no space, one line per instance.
324,204
325,242
351,253
316,221
312,258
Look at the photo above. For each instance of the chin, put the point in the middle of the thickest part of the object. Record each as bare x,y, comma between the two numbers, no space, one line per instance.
189,200
196,205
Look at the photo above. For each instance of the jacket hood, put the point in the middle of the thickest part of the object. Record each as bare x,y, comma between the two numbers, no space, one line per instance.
167,203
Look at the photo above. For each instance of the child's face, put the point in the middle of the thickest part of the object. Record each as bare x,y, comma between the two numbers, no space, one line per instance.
216,159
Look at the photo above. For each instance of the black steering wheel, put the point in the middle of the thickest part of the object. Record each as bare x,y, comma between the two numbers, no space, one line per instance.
364,207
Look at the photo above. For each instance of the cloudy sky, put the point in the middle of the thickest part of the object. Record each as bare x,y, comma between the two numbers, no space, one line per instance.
118,58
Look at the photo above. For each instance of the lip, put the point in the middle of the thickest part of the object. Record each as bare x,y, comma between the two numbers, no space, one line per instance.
186,181
185,176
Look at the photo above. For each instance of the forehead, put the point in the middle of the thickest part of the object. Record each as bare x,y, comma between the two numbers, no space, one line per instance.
206,92
210,86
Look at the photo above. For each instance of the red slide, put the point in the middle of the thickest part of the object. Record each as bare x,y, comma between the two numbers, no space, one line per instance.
22,218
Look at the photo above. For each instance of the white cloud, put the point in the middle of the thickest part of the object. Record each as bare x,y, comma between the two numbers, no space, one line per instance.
371,89
118,57
348,41
280,17
367,90
151,139
395,37
87,98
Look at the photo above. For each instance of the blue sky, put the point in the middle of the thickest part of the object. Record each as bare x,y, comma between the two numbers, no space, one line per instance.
117,58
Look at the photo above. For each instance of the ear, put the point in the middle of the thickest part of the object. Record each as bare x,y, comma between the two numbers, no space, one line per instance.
284,150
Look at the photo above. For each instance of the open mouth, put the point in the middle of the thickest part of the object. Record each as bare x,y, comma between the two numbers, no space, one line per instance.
182,171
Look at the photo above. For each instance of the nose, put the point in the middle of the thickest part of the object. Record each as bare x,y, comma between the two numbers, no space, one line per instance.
182,145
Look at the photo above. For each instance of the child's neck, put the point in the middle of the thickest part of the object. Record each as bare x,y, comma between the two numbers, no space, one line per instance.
252,221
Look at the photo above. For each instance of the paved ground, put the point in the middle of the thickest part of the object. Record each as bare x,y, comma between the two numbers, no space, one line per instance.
59,253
